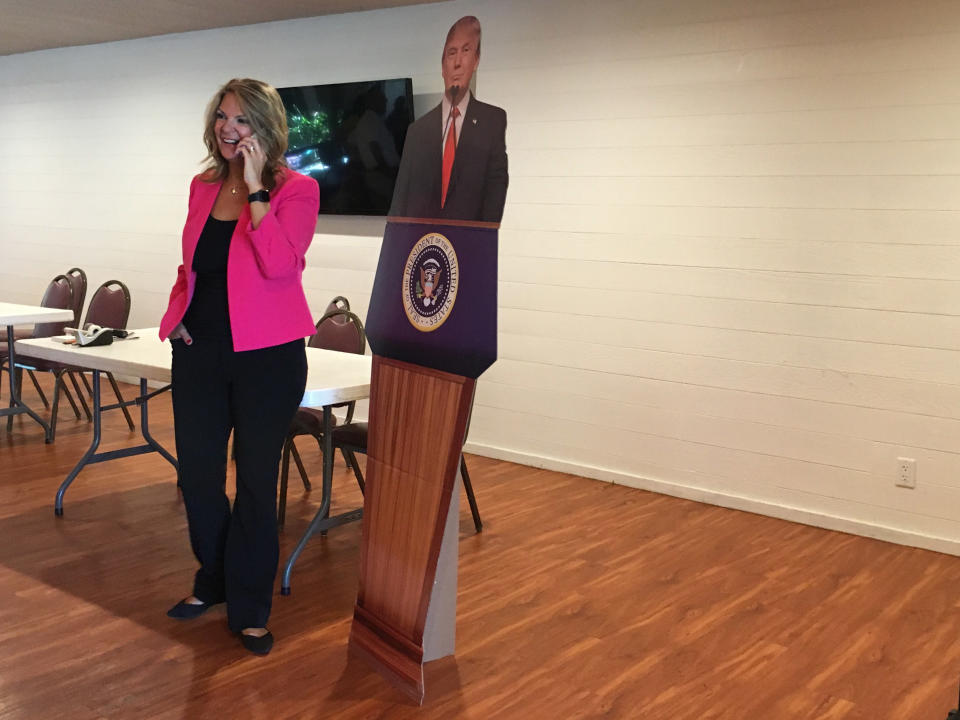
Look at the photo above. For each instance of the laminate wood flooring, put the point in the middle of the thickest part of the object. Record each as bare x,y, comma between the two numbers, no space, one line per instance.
580,599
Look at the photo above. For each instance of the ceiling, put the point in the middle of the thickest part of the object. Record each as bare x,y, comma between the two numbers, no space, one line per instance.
27,25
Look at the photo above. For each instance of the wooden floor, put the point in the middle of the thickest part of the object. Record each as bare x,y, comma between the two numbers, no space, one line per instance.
579,599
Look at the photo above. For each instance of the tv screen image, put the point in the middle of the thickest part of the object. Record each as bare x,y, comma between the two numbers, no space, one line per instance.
349,138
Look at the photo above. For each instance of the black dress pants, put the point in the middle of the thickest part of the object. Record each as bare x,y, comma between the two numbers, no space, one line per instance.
256,394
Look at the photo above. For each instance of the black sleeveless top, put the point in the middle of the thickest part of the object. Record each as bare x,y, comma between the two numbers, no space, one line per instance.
209,312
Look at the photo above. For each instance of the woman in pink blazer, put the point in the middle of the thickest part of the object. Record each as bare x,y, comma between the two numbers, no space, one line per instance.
236,321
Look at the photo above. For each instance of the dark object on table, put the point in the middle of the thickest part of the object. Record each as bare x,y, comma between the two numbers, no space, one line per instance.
93,336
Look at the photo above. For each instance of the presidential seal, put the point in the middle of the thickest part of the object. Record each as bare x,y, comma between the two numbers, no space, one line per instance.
430,279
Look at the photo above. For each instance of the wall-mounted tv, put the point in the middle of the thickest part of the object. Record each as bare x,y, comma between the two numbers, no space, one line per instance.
349,138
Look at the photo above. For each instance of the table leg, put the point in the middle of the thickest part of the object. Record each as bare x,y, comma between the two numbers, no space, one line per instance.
92,456
17,406
94,444
322,520
145,427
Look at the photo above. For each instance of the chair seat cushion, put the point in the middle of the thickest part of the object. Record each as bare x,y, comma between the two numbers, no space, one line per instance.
309,421
353,436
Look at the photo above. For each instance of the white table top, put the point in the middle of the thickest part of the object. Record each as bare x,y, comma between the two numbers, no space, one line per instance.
14,314
332,377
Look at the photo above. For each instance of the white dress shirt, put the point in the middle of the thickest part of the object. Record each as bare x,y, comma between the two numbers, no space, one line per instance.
445,110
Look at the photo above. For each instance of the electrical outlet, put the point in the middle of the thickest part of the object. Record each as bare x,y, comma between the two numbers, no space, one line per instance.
906,473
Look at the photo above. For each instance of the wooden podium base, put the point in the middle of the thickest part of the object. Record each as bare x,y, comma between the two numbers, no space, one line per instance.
418,420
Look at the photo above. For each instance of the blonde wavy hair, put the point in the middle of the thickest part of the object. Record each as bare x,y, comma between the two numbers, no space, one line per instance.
267,118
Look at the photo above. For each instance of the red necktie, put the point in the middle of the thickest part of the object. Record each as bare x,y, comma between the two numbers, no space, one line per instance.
449,150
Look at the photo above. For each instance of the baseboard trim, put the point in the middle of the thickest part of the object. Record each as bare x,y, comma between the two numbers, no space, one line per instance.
727,500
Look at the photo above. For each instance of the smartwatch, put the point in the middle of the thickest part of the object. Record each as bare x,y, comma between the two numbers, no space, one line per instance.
259,196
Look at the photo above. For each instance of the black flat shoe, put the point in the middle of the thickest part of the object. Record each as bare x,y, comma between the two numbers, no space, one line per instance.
258,645
188,611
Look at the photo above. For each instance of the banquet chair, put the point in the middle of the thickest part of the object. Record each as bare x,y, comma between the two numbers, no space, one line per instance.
78,281
109,307
339,330
338,303
59,294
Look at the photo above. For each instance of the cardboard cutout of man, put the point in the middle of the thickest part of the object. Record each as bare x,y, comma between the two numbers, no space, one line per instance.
462,176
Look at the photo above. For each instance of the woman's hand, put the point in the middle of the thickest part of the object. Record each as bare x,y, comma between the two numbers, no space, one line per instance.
180,333
253,161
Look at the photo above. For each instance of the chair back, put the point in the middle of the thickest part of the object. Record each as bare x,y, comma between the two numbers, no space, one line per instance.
338,303
340,330
59,294
109,306
78,279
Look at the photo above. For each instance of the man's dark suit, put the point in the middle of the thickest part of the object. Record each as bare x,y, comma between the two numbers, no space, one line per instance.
478,180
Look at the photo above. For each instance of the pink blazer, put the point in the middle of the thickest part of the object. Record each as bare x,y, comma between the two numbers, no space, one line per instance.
264,266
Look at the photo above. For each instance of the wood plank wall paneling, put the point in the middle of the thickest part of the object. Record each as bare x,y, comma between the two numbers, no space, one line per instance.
729,258
414,451
412,472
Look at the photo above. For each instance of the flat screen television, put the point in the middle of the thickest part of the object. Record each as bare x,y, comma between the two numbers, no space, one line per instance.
349,138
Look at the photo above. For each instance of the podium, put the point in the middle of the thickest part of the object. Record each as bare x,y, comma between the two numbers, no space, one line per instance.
432,328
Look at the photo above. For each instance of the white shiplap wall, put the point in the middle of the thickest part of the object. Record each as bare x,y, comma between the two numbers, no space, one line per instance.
729,256
730,259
